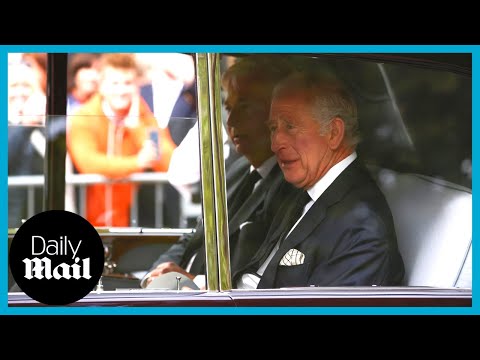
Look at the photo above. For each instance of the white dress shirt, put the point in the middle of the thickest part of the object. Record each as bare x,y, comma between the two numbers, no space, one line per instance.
250,281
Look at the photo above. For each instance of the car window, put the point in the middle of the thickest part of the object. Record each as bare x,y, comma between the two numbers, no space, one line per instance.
416,131
415,128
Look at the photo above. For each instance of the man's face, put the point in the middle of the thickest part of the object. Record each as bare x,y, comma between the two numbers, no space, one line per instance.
86,82
18,94
248,111
22,84
118,87
302,153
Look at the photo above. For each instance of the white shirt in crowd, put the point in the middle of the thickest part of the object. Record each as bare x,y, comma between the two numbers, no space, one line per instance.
184,168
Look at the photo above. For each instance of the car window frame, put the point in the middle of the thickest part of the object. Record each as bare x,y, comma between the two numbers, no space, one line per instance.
213,179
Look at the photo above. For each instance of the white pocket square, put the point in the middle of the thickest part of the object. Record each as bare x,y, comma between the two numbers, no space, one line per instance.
292,257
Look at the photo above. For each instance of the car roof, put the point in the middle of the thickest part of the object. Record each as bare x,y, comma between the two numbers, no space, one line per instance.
460,63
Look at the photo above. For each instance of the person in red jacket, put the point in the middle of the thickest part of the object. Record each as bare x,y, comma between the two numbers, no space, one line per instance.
110,135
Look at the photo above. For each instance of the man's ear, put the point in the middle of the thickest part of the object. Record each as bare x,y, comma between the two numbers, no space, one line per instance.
337,133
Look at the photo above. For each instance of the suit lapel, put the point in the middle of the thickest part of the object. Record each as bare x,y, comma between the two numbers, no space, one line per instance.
312,218
254,200
315,215
309,222
277,227
234,176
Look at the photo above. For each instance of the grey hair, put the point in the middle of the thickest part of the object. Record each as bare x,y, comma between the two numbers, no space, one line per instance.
328,98
269,69
337,103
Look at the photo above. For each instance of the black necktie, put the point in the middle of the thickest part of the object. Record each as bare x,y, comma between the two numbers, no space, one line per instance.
293,213
243,192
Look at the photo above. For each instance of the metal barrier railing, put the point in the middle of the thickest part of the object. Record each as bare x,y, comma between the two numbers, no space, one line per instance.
159,179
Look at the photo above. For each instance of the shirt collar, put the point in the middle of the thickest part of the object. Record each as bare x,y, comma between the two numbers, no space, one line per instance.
321,185
266,167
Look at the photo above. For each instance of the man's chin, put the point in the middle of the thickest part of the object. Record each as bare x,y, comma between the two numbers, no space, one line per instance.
121,107
293,180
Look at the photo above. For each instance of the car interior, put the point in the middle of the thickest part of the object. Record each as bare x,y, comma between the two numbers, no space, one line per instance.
416,134
433,220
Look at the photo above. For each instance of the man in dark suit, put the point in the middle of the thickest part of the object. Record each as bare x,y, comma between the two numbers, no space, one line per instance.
249,84
337,229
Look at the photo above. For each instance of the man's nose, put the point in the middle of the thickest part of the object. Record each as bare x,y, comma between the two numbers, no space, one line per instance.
277,140
232,119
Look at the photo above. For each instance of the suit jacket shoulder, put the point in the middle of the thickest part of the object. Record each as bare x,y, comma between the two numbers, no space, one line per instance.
182,251
234,175
346,238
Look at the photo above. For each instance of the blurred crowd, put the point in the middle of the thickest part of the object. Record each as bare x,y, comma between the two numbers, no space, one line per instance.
126,113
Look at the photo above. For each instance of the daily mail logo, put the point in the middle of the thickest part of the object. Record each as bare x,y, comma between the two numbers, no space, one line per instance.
42,268
56,257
